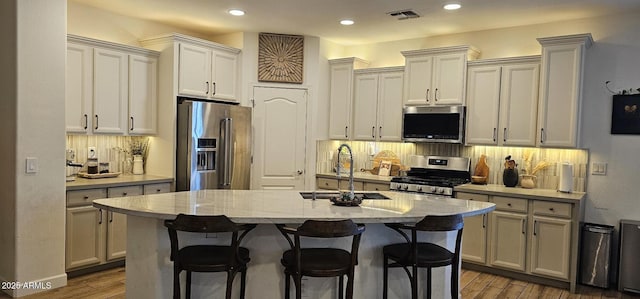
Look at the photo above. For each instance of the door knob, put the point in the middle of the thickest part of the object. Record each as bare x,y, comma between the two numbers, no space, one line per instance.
300,172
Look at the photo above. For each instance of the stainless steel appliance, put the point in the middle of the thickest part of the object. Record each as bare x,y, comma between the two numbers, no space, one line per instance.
213,146
628,278
595,255
444,124
433,175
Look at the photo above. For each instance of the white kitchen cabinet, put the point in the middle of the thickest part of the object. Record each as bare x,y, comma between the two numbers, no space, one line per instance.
559,106
84,239
474,234
341,95
143,94
378,104
502,96
508,240
208,71
437,76
110,88
551,239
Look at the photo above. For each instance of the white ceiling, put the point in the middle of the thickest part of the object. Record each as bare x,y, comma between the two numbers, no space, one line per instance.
321,17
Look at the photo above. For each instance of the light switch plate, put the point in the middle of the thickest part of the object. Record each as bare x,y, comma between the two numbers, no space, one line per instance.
599,168
32,165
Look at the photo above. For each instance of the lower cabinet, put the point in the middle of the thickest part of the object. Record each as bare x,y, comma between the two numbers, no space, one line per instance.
95,236
528,236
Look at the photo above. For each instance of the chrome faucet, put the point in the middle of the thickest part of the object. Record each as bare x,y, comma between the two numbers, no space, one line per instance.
351,188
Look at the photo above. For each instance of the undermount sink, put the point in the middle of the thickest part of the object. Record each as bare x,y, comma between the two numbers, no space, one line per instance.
327,195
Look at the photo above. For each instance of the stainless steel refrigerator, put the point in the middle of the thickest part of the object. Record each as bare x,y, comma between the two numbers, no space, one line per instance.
213,146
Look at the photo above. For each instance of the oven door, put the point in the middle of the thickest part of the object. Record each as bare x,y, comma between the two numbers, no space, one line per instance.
443,124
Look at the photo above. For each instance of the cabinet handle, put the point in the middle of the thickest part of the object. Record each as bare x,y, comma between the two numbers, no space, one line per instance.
541,135
110,217
373,132
214,88
535,231
100,216
86,197
509,204
346,128
124,193
504,135
524,222
484,220
551,209
132,123
86,121
380,132
207,83
435,95
495,131
96,127
426,95
157,190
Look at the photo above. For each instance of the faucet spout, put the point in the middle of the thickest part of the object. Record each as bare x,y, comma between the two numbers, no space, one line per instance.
351,188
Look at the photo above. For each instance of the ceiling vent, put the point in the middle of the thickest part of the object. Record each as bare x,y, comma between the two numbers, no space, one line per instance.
404,14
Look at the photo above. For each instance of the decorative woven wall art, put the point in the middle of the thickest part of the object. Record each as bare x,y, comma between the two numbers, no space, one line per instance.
280,58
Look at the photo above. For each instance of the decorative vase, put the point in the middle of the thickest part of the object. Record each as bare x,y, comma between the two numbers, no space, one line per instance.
528,181
137,165
510,177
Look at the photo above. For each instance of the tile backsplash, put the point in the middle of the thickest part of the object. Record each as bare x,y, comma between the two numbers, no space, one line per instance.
112,149
547,178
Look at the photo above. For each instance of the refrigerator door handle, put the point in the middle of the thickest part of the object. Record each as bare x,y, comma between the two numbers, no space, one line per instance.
228,151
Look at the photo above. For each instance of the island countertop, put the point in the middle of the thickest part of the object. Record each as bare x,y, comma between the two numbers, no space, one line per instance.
286,206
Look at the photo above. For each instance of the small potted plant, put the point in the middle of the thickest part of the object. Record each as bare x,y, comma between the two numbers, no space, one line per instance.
139,149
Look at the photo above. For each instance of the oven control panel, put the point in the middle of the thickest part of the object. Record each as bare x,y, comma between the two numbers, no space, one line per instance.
419,188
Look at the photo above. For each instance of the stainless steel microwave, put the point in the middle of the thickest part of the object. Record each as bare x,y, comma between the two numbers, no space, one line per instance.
443,124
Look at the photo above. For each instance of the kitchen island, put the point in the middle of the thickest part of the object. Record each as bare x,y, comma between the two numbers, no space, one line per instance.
149,270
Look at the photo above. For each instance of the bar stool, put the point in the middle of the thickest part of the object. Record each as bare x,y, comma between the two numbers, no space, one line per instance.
208,258
414,254
320,262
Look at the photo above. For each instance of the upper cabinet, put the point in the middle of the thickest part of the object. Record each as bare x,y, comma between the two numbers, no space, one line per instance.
208,71
502,100
377,103
110,88
436,76
341,95
559,106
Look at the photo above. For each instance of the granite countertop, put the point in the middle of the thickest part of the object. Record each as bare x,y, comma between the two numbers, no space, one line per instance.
358,176
540,194
121,180
286,206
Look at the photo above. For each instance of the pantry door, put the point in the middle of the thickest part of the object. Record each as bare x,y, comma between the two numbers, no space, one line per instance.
279,122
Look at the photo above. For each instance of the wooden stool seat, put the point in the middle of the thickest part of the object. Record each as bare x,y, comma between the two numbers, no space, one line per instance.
428,254
209,258
319,262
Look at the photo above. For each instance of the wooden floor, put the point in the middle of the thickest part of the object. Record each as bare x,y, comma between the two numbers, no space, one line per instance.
475,285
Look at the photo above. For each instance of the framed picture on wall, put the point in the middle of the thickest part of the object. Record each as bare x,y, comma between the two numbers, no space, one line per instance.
625,114
280,58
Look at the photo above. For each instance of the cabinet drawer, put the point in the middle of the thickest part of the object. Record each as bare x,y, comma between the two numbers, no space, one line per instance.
84,197
472,196
549,208
344,185
125,191
323,183
157,188
376,186
510,204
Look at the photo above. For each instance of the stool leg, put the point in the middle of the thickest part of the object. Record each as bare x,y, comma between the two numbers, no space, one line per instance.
454,281
341,287
350,285
298,280
176,283
287,285
188,287
429,283
385,277
414,282
243,280
230,275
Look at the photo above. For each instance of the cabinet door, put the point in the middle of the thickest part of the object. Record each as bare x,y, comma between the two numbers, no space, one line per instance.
364,106
224,73
116,235
340,99
550,246
418,84
194,71
143,94
110,91
85,235
483,105
508,240
559,105
449,79
79,88
474,235
390,106
518,104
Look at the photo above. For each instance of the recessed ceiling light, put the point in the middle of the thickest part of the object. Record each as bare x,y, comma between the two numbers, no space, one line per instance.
347,22
452,6
236,12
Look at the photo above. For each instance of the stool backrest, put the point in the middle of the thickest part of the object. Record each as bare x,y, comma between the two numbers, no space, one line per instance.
440,223
329,229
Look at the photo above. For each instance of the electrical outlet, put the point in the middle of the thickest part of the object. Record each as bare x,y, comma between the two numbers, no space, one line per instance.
92,153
